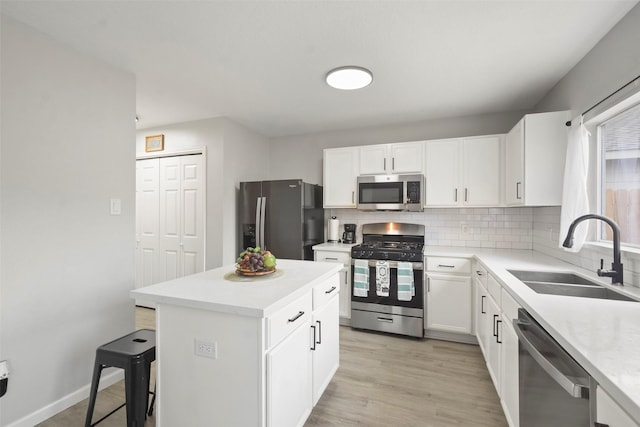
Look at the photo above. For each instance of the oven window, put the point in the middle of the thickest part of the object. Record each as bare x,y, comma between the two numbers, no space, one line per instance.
380,192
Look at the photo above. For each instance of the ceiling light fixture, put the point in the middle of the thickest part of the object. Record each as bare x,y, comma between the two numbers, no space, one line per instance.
349,77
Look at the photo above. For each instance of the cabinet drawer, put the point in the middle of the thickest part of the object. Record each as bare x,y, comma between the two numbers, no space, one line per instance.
449,265
285,321
331,256
494,289
480,273
326,290
509,305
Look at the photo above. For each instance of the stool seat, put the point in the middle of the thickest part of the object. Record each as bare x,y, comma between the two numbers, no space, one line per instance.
134,353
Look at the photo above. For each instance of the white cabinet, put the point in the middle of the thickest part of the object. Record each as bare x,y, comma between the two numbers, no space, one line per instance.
449,295
404,157
342,257
463,172
495,311
609,413
289,398
509,361
535,153
325,346
340,172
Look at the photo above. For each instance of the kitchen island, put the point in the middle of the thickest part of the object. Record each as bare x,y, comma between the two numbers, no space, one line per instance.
245,351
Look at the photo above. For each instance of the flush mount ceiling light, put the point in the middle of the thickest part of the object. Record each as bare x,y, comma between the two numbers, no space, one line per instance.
349,78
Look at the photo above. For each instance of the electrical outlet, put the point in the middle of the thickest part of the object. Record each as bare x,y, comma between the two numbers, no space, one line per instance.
464,227
206,348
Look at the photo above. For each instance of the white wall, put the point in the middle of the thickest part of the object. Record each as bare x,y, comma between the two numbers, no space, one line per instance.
301,156
234,154
66,264
612,63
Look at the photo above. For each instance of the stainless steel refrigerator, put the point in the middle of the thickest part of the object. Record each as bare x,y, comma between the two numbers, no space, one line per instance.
283,216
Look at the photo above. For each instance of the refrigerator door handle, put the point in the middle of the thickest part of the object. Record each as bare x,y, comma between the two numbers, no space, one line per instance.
263,213
258,210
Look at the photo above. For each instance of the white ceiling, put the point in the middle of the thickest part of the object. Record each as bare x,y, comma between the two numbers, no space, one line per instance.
262,63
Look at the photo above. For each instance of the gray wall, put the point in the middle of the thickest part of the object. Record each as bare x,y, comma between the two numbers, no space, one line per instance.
66,264
301,156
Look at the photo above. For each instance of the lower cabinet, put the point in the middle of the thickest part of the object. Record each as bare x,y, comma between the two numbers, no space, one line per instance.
449,295
609,413
325,346
344,258
289,367
495,311
449,303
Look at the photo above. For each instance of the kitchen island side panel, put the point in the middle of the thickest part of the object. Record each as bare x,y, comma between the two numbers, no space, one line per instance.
227,390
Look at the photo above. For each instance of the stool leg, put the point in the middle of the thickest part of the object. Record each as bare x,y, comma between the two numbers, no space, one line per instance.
95,380
136,394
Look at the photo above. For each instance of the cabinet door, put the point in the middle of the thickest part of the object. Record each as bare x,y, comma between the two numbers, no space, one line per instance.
481,171
289,380
339,180
147,222
406,157
514,165
494,338
373,159
509,372
442,165
609,413
449,303
482,315
325,351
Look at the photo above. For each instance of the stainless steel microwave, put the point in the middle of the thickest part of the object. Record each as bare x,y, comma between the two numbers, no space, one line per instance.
391,192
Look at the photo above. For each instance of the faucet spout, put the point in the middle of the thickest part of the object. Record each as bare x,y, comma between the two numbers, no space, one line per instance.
616,266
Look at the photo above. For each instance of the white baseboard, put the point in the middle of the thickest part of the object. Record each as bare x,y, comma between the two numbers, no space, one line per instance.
67,401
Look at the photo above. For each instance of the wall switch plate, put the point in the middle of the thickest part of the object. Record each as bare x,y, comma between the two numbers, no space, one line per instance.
115,206
205,348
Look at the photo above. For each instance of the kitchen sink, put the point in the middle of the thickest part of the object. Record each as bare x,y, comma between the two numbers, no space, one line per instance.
566,284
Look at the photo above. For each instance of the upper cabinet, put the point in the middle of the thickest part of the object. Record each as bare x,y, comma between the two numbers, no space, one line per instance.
463,172
340,172
535,152
404,157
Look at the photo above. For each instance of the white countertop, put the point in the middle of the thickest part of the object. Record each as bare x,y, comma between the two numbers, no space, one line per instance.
223,291
334,247
602,335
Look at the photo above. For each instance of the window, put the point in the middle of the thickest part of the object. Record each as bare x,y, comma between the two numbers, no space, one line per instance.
619,142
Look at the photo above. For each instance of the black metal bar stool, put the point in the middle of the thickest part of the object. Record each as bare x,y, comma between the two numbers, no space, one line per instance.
133,353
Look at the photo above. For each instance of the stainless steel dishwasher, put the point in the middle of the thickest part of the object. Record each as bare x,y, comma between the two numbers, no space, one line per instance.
554,388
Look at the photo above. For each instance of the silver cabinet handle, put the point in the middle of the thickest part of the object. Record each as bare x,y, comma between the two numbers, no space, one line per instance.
296,317
393,163
518,184
466,193
319,332
455,194
446,266
428,284
385,319
333,288
570,385
482,304
384,164
333,259
353,197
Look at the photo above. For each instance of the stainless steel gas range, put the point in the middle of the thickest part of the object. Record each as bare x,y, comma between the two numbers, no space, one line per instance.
387,276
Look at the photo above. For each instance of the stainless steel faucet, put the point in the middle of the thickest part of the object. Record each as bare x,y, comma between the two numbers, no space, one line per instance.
616,266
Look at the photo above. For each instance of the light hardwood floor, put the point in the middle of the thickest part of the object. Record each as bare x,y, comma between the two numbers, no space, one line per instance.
383,380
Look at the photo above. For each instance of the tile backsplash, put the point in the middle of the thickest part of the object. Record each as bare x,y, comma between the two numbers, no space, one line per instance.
500,228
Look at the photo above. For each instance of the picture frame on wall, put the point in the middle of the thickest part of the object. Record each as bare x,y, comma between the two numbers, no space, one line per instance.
154,143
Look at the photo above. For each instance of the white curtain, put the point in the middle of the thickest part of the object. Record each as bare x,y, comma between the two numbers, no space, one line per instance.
575,200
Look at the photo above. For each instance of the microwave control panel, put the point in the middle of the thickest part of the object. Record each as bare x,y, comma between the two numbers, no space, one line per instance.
413,192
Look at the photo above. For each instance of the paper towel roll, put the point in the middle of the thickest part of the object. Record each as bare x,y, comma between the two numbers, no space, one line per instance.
334,230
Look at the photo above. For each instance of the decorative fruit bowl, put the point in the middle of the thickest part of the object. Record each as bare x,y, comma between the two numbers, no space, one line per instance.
255,262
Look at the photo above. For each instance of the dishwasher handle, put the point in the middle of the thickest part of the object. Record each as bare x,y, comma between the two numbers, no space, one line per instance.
571,385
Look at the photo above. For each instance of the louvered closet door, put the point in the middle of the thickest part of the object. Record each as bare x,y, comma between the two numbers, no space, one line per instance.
147,222
181,216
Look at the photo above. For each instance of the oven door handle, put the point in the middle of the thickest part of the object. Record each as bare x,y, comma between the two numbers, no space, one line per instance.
393,264
572,385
